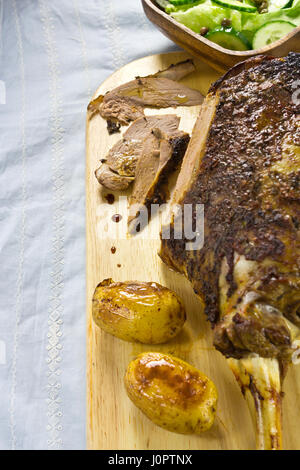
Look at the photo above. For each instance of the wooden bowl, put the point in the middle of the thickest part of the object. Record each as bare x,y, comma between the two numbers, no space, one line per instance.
216,56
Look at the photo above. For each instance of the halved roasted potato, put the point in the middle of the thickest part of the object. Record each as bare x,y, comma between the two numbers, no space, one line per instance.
172,393
138,311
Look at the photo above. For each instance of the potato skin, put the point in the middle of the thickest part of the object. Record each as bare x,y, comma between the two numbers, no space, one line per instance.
173,394
144,312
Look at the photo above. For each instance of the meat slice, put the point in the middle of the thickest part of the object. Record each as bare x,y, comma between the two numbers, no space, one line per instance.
177,71
243,165
123,157
139,129
116,108
161,154
126,103
111,180
117,170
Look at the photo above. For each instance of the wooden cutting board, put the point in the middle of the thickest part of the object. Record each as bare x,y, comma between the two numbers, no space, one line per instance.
113,421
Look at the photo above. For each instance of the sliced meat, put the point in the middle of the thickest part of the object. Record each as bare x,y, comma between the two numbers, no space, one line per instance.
112,180
161,155
123,157
126,103
159,93
138,130
178,71
116,108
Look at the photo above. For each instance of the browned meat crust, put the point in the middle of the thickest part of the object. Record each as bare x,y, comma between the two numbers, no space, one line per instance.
113,127
243,164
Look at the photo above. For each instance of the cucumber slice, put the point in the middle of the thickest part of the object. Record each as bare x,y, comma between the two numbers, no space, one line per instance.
271,32
163,4
279,4
229,39
236,5
182,2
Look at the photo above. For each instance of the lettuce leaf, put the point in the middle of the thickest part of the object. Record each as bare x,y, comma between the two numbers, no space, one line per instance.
209,16
253,21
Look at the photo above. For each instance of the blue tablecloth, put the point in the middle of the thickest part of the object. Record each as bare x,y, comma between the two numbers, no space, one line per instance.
54,54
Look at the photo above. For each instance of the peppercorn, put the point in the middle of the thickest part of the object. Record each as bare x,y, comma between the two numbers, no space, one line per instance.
204,31
226,23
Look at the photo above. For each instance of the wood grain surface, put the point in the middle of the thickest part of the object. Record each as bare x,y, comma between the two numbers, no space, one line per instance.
113,421
216,56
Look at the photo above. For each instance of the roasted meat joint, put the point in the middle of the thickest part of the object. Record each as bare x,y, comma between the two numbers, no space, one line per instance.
243,165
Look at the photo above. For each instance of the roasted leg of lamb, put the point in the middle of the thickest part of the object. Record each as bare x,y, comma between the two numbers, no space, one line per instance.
243,165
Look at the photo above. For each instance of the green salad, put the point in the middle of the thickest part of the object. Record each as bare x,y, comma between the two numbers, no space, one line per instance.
234,24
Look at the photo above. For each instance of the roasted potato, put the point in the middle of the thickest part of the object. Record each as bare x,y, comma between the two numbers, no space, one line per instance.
138,311
172,393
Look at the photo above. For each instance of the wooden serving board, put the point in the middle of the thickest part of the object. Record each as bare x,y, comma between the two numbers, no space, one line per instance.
113,421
